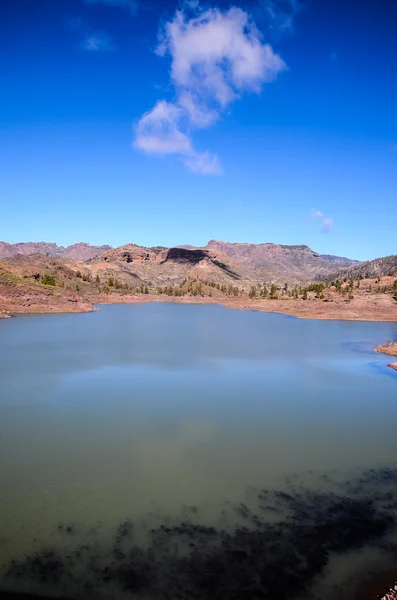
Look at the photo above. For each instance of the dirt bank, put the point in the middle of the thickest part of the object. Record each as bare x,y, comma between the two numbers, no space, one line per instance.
30,299
24,299
305,309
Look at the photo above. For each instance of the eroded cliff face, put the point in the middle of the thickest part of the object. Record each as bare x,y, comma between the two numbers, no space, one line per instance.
130,253
298,260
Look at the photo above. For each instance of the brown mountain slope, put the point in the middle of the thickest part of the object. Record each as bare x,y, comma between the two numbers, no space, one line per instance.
168,266
80,251
380,267
33,284
223,261
290,261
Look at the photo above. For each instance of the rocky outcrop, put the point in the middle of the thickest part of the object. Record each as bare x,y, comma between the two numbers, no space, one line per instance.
130,253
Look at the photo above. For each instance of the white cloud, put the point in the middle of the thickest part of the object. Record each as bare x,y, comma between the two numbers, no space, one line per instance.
326,222
97,42
158,131
315,214
204,163
327,225
130,5
216,56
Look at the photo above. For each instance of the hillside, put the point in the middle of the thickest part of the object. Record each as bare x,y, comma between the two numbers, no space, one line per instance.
164,266
292,261
380,267
34,284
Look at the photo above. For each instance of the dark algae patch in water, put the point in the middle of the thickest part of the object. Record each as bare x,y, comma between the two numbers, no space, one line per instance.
271,548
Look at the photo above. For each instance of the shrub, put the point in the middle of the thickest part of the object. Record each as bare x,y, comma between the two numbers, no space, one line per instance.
48,279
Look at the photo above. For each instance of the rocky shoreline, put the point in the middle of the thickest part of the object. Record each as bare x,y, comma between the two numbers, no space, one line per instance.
389,348
304,309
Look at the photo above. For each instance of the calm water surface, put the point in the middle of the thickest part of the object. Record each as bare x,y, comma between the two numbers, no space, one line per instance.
162,412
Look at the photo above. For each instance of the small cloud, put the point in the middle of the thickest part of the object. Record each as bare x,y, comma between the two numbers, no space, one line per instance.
216,55
326,222
333,57
97,42
394,147
131,5
159,132
204,163
327,225
279,15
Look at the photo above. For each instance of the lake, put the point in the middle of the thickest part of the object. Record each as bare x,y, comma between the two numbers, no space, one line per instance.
180,451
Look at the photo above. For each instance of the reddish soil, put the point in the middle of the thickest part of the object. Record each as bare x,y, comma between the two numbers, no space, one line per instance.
25,298
355,310
42,299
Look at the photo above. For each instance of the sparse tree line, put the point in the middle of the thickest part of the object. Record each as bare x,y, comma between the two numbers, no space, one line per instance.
197,287
321,291
194,286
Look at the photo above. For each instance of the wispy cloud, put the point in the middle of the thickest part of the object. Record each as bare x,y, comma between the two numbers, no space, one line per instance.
315,214
327,225
216,56
333,57
158,130
97,42
279,15
130,5
204,163
326,222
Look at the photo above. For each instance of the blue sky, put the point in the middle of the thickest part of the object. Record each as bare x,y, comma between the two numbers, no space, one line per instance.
165,123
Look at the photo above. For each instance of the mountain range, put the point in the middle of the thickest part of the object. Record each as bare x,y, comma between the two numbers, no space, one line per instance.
44,277
80,251
238,261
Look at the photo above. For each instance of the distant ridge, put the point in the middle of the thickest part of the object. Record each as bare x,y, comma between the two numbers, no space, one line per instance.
379,267
80,251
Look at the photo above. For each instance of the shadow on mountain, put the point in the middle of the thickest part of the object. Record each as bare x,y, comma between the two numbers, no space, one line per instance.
195,256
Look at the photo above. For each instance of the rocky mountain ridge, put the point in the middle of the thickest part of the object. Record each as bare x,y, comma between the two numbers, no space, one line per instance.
294,260
244,261
80,251
379,267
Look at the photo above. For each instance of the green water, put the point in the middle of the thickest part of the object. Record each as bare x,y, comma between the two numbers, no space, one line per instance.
162,412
